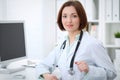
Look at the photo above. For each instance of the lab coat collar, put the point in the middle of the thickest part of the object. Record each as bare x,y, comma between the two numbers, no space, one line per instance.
77,37
69,49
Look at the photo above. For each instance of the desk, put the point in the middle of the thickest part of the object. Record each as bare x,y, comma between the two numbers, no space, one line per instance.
27,74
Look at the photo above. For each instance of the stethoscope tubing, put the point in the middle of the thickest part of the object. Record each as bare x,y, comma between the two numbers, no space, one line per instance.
71,71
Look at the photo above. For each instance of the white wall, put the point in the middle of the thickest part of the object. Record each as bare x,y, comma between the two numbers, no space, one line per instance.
2,9
39,17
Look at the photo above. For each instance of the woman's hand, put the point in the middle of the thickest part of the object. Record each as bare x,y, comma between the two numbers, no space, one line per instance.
48,76
82,66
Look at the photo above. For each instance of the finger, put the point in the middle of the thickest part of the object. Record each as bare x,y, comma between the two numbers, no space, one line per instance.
54,78
78,62
82,66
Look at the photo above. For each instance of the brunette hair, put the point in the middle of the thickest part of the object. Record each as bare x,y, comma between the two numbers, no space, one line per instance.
80,11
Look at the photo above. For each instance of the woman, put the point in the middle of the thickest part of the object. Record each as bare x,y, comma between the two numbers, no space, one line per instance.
79,56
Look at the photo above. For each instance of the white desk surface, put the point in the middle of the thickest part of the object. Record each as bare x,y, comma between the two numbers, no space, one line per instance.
28,74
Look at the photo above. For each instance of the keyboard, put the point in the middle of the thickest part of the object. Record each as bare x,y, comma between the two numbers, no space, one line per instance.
13,70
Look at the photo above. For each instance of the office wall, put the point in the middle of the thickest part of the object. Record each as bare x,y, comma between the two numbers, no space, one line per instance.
2,9
39,18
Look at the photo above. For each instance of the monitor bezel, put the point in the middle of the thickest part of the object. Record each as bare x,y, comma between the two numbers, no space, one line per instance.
5,63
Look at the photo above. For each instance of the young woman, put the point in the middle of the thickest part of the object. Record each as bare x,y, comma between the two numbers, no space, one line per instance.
79,53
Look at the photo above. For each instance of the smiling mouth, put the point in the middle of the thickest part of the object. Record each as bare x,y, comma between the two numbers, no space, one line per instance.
69,26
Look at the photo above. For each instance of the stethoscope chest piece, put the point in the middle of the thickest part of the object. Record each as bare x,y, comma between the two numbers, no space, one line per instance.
71,71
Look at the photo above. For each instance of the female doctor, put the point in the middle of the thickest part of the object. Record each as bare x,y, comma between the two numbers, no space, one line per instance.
79,56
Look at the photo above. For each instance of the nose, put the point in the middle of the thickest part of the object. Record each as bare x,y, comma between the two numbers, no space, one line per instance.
69,19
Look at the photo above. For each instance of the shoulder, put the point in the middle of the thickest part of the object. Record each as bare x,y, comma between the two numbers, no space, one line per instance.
92,45
91,41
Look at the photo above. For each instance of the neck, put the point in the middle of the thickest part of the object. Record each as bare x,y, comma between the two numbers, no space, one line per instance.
72,36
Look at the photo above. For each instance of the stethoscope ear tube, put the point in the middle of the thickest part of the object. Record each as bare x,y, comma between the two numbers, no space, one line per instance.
63,45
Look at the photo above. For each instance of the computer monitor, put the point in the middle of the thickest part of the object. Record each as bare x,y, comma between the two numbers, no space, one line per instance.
12,42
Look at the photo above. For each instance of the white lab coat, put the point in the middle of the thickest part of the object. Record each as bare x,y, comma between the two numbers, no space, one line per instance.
90,50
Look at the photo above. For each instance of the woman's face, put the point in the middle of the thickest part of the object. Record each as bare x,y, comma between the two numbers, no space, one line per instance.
70,19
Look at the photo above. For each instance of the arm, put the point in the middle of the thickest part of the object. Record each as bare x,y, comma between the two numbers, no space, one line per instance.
46,65
103,69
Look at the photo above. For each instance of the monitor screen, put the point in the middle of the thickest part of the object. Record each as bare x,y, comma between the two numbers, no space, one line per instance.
12,40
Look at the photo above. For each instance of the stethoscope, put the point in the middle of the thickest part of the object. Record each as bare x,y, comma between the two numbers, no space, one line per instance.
71,71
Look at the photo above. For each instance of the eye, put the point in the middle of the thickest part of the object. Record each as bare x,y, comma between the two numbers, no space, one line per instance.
64,16
74,16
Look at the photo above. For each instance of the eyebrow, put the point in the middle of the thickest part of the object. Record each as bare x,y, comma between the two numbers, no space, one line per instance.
74,13
71,13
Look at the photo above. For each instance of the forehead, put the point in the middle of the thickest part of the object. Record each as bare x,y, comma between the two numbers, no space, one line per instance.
69,9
